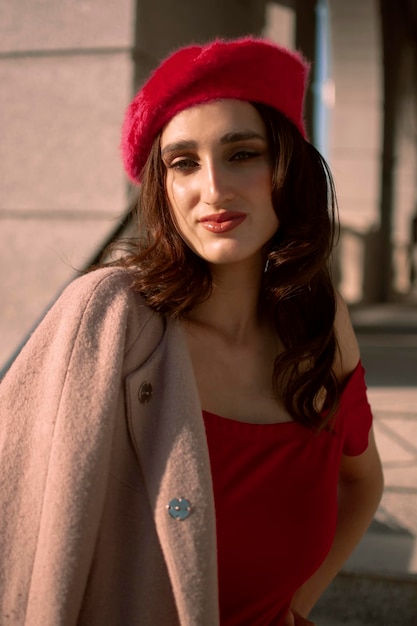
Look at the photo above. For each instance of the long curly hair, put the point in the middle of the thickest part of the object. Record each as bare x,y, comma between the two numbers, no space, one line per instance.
297,293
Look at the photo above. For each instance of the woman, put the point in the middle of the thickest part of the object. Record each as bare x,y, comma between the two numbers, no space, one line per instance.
186,437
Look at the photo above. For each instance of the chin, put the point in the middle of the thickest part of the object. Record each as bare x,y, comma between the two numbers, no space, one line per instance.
231,259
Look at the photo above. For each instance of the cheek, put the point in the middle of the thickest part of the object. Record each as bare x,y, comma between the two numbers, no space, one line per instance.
259,180
265,181
179,189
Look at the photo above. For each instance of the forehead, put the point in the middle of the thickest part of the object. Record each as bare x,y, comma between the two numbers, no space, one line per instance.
213,120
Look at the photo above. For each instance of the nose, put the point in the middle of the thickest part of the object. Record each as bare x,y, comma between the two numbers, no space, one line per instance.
216,185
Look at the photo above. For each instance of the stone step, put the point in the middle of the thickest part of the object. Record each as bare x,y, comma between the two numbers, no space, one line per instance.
364,600
377,586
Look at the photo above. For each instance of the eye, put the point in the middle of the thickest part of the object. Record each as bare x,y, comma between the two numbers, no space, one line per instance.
183,165
244,155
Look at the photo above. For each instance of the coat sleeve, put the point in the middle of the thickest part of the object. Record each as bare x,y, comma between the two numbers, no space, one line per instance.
57,406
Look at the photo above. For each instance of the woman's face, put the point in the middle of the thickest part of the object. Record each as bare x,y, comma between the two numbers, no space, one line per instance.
218,180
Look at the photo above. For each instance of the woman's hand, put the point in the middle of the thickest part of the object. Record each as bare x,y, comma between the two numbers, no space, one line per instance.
295,619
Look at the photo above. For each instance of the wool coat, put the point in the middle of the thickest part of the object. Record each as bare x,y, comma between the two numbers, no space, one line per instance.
100,429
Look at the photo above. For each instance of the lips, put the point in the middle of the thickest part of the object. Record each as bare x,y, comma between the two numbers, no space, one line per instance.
222,222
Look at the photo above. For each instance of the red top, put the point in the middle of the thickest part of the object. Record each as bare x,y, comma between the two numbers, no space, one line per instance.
275,490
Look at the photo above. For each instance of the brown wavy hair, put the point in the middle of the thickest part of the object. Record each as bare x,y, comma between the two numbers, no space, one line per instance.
297,292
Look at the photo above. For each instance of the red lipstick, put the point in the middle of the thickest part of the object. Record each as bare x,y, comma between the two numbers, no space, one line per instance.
222,222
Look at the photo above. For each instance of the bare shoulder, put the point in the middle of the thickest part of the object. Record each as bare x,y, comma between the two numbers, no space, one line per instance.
347,352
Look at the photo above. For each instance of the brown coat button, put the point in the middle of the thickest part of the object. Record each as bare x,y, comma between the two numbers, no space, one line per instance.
145,392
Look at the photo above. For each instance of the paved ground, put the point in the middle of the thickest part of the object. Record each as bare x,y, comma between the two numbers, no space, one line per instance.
388,341
378,585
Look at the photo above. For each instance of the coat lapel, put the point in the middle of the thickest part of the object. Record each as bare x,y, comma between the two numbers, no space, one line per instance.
168,433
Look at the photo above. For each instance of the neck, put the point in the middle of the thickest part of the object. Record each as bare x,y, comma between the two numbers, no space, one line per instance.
233,307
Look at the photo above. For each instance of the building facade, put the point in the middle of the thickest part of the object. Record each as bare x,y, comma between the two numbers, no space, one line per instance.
68,69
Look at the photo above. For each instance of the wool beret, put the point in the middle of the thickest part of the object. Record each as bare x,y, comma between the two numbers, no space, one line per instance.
249,68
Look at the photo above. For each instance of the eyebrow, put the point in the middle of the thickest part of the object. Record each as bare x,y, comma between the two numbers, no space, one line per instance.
231,137
241,135
179,145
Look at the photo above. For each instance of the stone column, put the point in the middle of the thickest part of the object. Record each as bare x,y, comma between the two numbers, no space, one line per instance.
163,25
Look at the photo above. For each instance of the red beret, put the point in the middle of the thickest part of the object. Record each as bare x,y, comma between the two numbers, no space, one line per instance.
249,68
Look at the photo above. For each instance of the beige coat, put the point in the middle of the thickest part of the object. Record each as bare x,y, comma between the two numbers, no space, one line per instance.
89,459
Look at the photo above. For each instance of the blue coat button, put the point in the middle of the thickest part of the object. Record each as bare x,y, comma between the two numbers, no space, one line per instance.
179,508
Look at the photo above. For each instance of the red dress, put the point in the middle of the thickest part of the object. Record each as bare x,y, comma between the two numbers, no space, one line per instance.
275,490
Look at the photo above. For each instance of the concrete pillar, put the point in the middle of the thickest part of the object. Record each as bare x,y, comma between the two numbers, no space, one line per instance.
305,40
188,22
